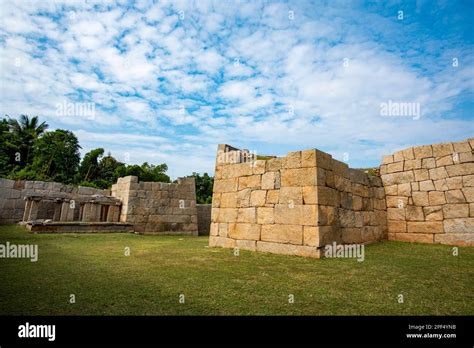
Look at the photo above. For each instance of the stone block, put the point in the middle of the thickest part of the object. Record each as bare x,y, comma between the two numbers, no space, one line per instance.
387,159
412,164
243,197
326,215
268,181
288,214
228,200
253,181
292,195
438,173
441,185
423,151
427,185
248,215
397,201
298,177
265,215
310,195
414,213
433,213
408,154
420,198
428,163
436,198
444,149
310,235
398,178
291,234
227,214
258,167
396,214
327,196
246,245
274,164
308,158
214,231
454,182
468,194
257,198
459,225
468,181
292,160
288,249
244,231
425,227
459,239
412,237
461,146
395,167
225,185
396,226
222,242
273,196
460,169
455,196
391,190
455,211
444,161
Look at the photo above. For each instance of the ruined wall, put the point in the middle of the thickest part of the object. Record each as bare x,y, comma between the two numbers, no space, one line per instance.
12,194
292,205
430,193
204,218
155,207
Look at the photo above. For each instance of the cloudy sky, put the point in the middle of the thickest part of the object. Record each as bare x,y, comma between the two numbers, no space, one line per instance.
171,80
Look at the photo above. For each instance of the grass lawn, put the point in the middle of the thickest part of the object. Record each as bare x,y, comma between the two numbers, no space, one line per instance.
215,282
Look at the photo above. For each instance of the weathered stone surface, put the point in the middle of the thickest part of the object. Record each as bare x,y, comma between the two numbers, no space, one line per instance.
412,237
298,177
289,234
440,150
252,181
433,213
310,236
244,231
436,198
414,213
288,249
247,215
395,167
455,196
398,178
268,181
420,198
228,200
246,245
273,196
460,239
222,242
225,185
292,195
423,151
424,227
468,193
292,160
455,211
459,225
460,169
257,198
265,215
396,214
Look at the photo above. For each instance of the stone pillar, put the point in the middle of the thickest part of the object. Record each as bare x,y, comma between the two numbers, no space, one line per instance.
113,214
26,214
86,212
33,214
67,213
57,211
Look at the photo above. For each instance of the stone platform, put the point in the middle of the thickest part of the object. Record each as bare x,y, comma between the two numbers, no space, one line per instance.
79,227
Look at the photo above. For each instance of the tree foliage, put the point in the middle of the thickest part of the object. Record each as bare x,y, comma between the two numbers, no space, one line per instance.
204,185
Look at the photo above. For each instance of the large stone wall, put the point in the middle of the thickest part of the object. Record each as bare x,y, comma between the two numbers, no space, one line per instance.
12,194
430,193
155,207
294,204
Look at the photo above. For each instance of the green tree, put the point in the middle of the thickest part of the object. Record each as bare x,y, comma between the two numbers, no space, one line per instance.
26,131
89,167
204,185
56,158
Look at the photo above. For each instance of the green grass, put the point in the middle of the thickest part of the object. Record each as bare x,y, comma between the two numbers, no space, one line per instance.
215,282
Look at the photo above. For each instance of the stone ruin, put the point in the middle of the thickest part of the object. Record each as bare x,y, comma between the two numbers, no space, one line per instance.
130,206
299,203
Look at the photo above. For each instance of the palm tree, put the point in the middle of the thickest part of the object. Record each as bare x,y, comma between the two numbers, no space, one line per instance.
27,131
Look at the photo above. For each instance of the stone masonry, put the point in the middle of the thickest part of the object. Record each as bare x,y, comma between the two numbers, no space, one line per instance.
430,193
299,203
293,205
156,207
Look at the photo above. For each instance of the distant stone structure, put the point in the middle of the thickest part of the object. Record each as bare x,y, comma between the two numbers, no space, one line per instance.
430,193
157,207
143,207
299,203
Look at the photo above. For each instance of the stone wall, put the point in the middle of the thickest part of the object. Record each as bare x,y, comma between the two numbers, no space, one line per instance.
155,207
430,193
294,204
204,218
12,194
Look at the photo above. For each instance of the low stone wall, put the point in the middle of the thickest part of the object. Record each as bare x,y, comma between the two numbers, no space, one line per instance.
430,193
204,219
155,207
12,194
294,204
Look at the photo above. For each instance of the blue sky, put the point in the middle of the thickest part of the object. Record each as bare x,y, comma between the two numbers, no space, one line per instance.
171,80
